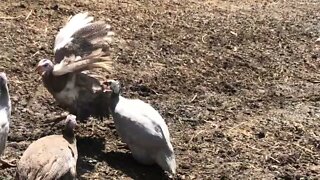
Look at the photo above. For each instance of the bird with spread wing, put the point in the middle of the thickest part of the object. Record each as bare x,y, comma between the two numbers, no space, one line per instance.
82,44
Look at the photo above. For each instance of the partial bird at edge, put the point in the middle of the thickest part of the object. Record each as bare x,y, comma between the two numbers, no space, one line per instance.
5,118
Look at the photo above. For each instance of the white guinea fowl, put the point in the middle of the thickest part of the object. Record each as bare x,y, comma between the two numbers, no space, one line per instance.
142,128
51,157
5,113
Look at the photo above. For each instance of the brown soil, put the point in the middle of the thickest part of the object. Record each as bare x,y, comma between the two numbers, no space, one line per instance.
236,81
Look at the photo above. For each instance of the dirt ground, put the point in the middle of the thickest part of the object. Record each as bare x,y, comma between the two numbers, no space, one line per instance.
237,82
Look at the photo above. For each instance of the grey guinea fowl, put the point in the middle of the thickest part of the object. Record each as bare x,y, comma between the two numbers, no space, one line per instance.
142,128
51,157
5,113
80,45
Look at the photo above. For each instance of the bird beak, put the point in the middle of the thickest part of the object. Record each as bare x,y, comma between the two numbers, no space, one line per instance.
37,69
106,87
40,70
107,90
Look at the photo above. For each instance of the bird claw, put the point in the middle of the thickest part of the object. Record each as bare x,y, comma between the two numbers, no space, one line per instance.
93,127
123,146
57,119
6,164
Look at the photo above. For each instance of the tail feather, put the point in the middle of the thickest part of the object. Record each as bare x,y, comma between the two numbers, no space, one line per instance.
167,161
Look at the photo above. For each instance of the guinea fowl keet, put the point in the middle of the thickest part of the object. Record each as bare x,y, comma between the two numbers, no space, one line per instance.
51,157
5,113
80,45
142,128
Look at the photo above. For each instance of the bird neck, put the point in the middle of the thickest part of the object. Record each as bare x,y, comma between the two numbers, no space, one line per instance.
69,135
54,83
114,101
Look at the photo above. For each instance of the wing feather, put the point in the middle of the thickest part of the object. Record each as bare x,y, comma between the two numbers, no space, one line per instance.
82,45
74,24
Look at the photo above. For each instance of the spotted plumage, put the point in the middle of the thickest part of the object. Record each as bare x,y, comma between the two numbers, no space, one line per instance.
51,157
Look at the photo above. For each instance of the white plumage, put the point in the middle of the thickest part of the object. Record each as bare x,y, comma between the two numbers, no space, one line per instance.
5,113
69,94
4,129
143,129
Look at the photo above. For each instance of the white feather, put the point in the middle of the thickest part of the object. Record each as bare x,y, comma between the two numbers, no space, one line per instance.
76,23
5,114
146,133
4,129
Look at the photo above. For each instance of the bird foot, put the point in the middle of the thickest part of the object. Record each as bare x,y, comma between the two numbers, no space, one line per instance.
123,146
6,164
56,119
93,127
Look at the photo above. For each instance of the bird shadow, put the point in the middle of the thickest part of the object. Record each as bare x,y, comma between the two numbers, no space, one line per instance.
90,147
128,165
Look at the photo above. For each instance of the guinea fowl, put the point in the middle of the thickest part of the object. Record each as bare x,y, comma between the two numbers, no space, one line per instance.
51,157
80,45
5,113
142,128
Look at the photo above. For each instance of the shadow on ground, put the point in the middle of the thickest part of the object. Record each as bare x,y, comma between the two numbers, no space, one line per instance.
92,148
125,163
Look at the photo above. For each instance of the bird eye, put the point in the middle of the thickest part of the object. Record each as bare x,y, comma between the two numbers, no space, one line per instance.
46,65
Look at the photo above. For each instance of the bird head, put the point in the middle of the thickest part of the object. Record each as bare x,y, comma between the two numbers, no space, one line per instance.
71,121
3,79
112,86
44,66
3,85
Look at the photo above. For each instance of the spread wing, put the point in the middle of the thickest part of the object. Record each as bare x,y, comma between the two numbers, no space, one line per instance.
82,44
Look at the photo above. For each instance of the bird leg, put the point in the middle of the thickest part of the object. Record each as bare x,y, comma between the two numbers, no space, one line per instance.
93,124
57,119
123,146
6,164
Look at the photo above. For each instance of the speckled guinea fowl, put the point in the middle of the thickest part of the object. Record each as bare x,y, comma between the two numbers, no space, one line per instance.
80,45
51,157
317,41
